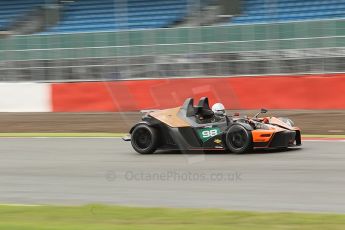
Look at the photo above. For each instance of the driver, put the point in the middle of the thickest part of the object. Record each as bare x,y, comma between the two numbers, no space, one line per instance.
219,111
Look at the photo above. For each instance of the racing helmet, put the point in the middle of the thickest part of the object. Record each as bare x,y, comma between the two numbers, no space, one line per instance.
218,109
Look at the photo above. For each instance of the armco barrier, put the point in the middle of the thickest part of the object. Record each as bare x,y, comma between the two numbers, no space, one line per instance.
272,92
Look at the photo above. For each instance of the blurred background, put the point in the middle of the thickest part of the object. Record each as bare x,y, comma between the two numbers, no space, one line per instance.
84,68
71,40
247,54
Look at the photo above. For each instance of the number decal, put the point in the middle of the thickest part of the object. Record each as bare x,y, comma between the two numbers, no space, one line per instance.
207,133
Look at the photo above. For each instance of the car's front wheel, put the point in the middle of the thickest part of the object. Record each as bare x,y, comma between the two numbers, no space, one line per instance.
144,139
238,139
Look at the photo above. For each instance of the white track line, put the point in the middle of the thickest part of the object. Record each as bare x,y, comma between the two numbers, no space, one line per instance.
22,205
341,140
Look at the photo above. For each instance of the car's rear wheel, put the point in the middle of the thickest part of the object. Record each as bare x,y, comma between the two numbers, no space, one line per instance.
238,139
144,139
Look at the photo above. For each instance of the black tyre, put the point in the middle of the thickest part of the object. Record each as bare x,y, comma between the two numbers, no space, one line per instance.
239,139
144,139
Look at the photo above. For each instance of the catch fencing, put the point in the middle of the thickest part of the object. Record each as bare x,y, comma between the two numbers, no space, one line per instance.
305,47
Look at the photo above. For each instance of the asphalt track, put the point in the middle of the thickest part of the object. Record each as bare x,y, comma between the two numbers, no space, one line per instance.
73,171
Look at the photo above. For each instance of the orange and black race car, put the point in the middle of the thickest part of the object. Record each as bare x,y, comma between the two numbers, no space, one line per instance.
197,128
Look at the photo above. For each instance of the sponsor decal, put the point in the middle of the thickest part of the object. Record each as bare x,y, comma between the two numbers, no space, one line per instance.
217,141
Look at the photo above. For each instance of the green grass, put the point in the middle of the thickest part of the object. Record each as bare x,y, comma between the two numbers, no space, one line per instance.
98,217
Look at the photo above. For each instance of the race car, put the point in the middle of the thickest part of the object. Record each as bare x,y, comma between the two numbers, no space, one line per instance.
191,127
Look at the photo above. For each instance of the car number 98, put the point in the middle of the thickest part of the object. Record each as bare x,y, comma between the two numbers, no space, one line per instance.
209,133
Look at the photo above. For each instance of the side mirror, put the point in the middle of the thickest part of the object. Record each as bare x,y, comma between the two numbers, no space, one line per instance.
261,111
264,110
